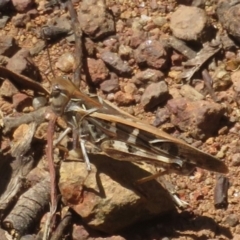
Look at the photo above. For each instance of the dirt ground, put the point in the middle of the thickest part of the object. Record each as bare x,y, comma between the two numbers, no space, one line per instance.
215,130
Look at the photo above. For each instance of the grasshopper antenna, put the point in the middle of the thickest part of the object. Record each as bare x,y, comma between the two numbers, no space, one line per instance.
48,53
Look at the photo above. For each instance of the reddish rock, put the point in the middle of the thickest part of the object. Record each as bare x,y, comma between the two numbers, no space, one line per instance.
130,88
162,115
115,62
143,78
99,208
97,70
137,38
154,94
20,100
123,99
200,118
22,63
18,62
7,89
110,85
95,20
151,53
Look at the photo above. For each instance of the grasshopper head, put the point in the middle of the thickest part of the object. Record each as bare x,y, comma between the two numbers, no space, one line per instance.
62,90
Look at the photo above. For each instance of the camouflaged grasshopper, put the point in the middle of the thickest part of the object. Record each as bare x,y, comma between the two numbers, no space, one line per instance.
123,137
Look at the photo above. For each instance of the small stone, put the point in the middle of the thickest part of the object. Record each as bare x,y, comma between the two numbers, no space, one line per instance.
151,53
188,23
236,236
191,93
66,62
236,159
7,45
97,70
154,4
228,15
79,232
221,78
21,100
115,62
162,115
223,130
8,89
137,38
110,85
20,20
147,76
124,51
235,77
39,102
89,46
95,20
3,20
200,118
18,62
154,94
123,99
130,88
231,220
22,5
159,21
38,47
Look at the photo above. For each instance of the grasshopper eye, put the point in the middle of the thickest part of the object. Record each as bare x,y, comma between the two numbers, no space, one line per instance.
55,91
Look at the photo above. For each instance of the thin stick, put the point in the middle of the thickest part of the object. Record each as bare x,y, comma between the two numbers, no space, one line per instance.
58,234
52,171
78,43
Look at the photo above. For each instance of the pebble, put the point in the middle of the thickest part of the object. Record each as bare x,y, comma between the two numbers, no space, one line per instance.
154,94
188,23
143,78
22,5
191,93
235,159
231,220
3,20
97,70
123,99
200,118
151,53
115,62
101,25
7,45
110,85
39,102
66,62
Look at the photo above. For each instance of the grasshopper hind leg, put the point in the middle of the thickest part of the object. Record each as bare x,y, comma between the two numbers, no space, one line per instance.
160,176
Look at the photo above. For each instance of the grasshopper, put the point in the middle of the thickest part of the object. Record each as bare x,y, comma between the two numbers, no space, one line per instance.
123,137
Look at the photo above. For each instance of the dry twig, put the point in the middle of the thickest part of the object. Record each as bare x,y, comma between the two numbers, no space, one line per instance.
57,235
50,223
78,43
